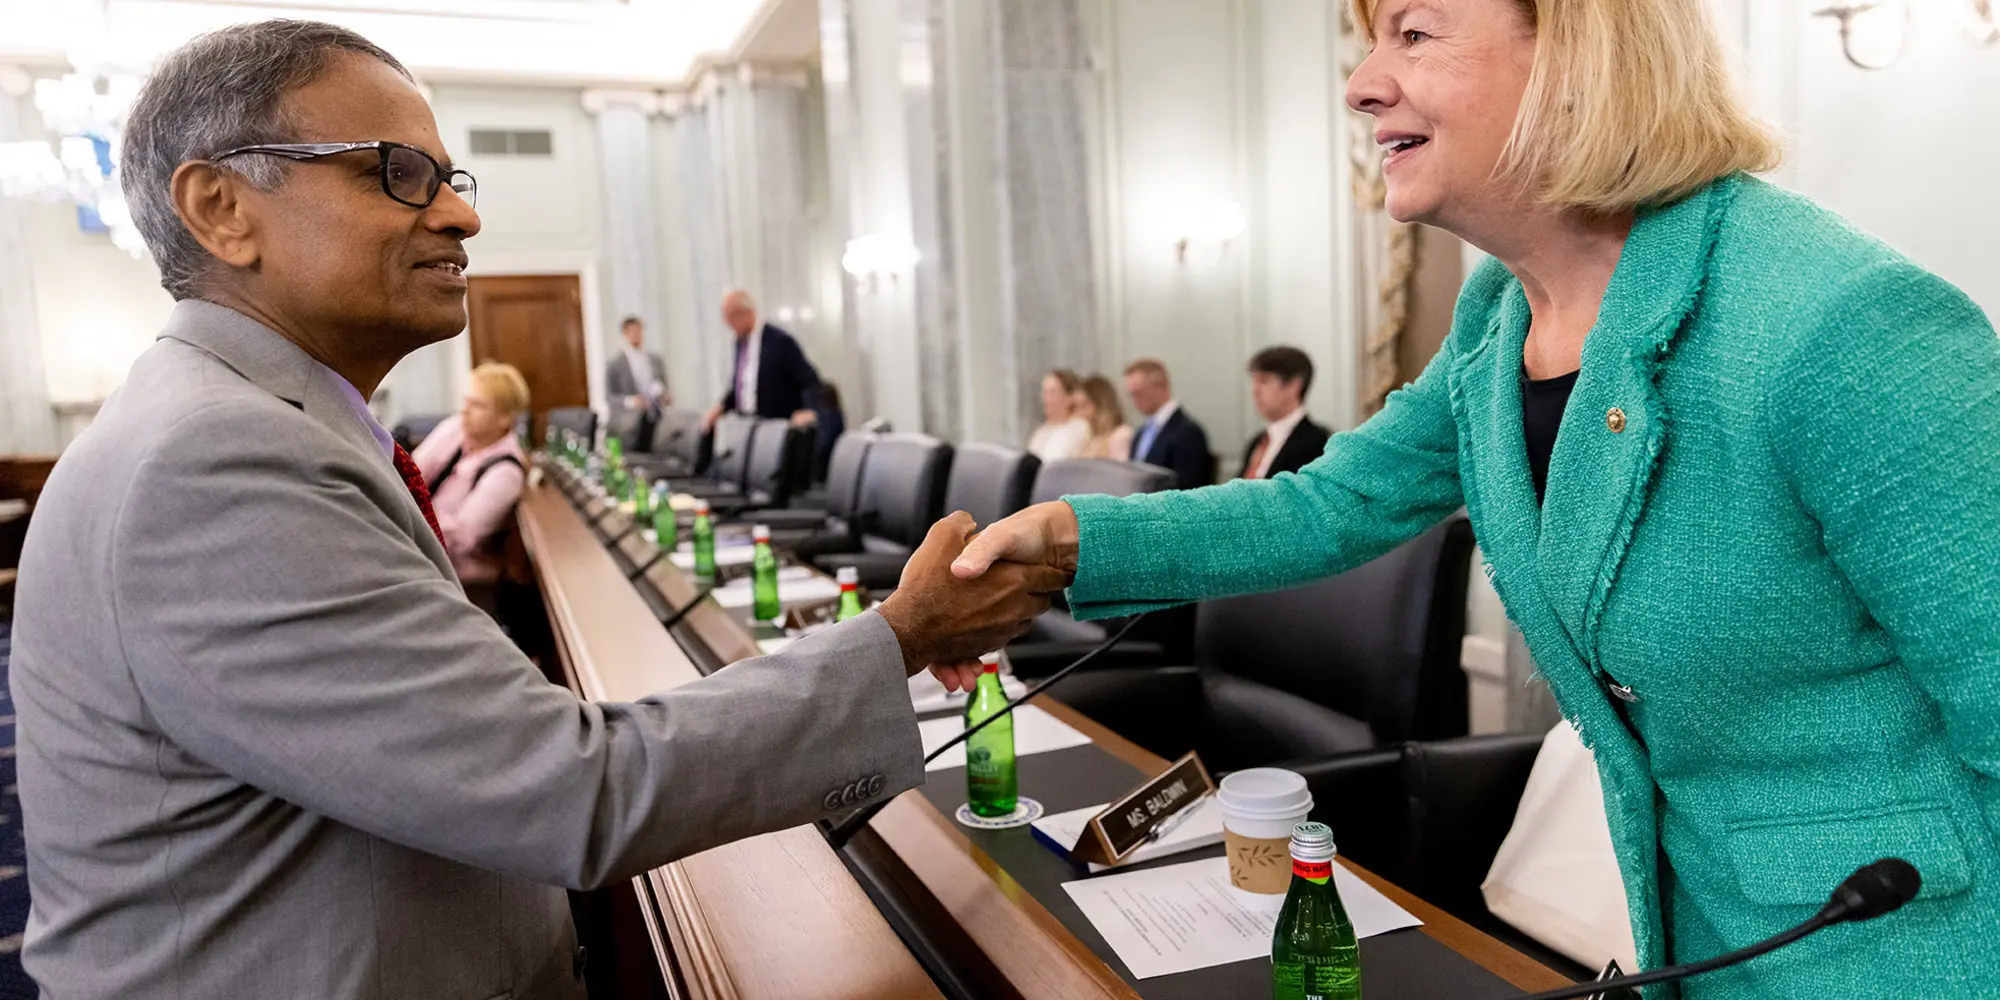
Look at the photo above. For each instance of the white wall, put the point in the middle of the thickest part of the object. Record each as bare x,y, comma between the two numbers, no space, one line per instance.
1178,118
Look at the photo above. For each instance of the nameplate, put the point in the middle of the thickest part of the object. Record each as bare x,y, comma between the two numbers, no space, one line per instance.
1131,820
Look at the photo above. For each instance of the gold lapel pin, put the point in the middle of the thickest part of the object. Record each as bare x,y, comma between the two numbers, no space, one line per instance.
1614,418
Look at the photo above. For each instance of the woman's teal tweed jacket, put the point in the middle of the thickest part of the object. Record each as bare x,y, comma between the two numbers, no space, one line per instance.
1773,511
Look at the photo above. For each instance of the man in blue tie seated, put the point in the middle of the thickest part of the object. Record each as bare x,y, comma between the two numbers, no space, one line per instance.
1168,438
267,747
772,378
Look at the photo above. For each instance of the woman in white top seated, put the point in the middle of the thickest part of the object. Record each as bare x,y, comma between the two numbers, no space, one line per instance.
475,469
1063,433
1110,437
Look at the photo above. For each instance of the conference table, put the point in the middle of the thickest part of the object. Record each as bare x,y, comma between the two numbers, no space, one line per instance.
915,906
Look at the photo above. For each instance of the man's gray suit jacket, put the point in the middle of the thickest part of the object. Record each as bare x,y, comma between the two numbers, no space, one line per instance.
268,751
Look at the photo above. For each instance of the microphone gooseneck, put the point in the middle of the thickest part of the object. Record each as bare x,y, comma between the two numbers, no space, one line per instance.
840,833
1873,891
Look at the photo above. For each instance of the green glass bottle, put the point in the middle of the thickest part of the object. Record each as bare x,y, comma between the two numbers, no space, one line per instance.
614,450
850,593
666,526
991,785
1314,955
764,605
704,542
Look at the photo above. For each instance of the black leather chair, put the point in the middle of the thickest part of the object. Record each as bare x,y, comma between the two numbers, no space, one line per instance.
989,482
1057,638
1430,816
412,430
578,420
675,447
629,427
728,474
830,525
1365,659
902,493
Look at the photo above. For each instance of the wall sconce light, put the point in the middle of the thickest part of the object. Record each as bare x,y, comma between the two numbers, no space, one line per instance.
1985,21
1873,33
1210,228
874,257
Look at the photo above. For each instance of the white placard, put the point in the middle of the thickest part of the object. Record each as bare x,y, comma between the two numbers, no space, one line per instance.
1166,920
1035,731
1201,827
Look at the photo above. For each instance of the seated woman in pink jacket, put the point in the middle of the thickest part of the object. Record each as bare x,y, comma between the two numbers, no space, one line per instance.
475,469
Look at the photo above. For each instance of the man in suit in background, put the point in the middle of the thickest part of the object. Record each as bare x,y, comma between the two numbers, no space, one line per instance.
267,748
772,378
1279,380
638,381
1169,437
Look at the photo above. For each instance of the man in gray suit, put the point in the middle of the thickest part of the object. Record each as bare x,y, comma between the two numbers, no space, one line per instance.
637,381
267,749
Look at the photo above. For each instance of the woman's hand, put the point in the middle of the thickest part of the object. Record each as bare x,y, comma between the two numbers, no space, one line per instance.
1042,535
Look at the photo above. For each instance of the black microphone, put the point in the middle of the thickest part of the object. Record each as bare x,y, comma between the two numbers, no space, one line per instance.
1873,891
840,833
674,619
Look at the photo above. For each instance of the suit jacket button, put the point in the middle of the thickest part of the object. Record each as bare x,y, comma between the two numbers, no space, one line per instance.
1614,418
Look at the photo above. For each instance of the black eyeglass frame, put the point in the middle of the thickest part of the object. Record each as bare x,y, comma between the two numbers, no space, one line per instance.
304,151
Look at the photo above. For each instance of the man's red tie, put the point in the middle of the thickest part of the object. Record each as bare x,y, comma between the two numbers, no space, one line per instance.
413,478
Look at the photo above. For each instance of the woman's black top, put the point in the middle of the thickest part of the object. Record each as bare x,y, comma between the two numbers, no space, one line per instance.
1542,404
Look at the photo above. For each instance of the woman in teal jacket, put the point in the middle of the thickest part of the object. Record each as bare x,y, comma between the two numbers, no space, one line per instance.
1764,580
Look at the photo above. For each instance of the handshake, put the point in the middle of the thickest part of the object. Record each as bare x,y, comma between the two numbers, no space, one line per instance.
964,594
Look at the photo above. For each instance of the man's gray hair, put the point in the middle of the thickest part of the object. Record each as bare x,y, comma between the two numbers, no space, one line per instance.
220,91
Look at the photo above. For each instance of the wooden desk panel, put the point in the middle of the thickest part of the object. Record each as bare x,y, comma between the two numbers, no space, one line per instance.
770,916
1015,935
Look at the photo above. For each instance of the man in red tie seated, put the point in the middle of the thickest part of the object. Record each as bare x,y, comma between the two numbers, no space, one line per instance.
1279,380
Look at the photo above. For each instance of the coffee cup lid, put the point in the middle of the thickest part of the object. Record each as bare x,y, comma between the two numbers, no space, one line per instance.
1264,791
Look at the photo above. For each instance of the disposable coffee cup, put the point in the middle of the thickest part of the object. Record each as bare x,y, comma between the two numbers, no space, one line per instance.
1260,806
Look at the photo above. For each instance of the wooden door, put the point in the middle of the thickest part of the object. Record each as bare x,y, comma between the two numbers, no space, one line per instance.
535,323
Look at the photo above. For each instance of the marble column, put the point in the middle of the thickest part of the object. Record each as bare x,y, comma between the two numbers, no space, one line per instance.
631,244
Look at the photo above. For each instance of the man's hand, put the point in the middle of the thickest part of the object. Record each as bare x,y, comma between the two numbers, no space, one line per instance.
805,418
941,619
1042,535
635,402
708,419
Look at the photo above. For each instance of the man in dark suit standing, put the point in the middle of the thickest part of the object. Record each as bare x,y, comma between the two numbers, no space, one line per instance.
772,378
1169,438
1279,379
636,381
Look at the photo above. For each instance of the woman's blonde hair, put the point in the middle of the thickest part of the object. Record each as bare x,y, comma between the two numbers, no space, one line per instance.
1630,103
1103,398
504,385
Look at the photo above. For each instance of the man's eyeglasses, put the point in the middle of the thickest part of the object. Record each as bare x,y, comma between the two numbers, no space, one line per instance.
409,174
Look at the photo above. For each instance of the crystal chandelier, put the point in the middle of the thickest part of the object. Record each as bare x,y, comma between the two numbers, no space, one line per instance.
86,111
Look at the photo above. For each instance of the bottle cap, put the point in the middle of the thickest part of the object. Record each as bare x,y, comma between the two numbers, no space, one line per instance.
701,508
990,668
847,576
761,532
1312,842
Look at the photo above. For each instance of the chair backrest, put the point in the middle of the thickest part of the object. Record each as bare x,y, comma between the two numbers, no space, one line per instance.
775,457
1380,643
412,430
578,420
989,482
902,489
628,426
844,472
733,444
1108,476
677,434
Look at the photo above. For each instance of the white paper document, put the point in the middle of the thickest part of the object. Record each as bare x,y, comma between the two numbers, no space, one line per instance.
725,555
1201,827
1035,731
796,585
927,695
1166,920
